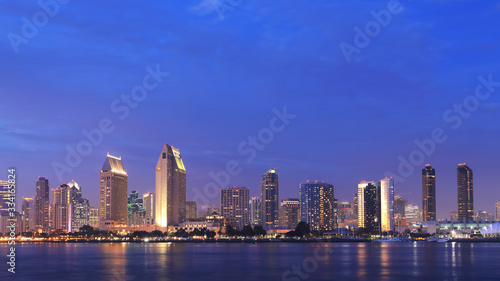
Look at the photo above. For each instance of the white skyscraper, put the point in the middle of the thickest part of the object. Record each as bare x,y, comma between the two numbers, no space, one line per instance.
170,188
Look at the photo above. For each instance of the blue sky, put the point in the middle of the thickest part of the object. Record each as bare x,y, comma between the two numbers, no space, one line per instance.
226,75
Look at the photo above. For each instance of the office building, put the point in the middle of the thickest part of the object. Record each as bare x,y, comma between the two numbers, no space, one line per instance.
465,190
4,197
191,210
269,194
289,213
170,188
113,189
94,217
234,204
317,205
255,209
42,212
429,193
376,205
28,214
399,206
149,203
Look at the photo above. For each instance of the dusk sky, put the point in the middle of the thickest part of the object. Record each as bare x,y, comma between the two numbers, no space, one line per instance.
230,69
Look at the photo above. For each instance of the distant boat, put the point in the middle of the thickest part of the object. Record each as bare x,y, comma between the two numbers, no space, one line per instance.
437,239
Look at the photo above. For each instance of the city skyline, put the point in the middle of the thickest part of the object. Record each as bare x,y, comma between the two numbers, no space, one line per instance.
305,72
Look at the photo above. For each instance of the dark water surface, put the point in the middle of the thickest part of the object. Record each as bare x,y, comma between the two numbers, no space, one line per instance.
267,261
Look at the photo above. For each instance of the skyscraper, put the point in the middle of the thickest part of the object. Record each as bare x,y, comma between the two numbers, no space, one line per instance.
42,203
234,203
191,210
269,194
170,187
94,217
78,209
59,210
136,210
429,193
28,209
113,191
465,188
399,206
255,210
317,205
149,203
376,205
4,197
289,213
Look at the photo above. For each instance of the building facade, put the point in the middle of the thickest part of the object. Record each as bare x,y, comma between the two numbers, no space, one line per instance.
234,204
113,189
465,190
42,210
149,202
289,213
4,197
255,209
317,205
376,205
429,193
28,213
269,194
191,210
170,188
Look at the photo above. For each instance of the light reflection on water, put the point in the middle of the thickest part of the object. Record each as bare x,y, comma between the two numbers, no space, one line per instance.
266,261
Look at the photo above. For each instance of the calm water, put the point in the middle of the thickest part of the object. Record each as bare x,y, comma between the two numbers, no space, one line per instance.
335,261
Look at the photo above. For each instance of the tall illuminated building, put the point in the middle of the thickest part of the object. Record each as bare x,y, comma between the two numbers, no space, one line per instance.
191,210
94,217
59,210
255,209
28,210
269,194
170,188
113,189
4,197
429,193
376,204
234,204
465,190
149,203
42,212
289,213
317,205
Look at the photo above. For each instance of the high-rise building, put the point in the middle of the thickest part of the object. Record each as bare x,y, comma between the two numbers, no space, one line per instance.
381,210
79,214
483,216
113,191
429,193
59,210
399,206
191,210
170,188
149,203
355,205
346,212
413,214
28,210
94,217
269,194
289,213
255,210
42,212
234,203
497,209
136,210
317,205
465,188
4,197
